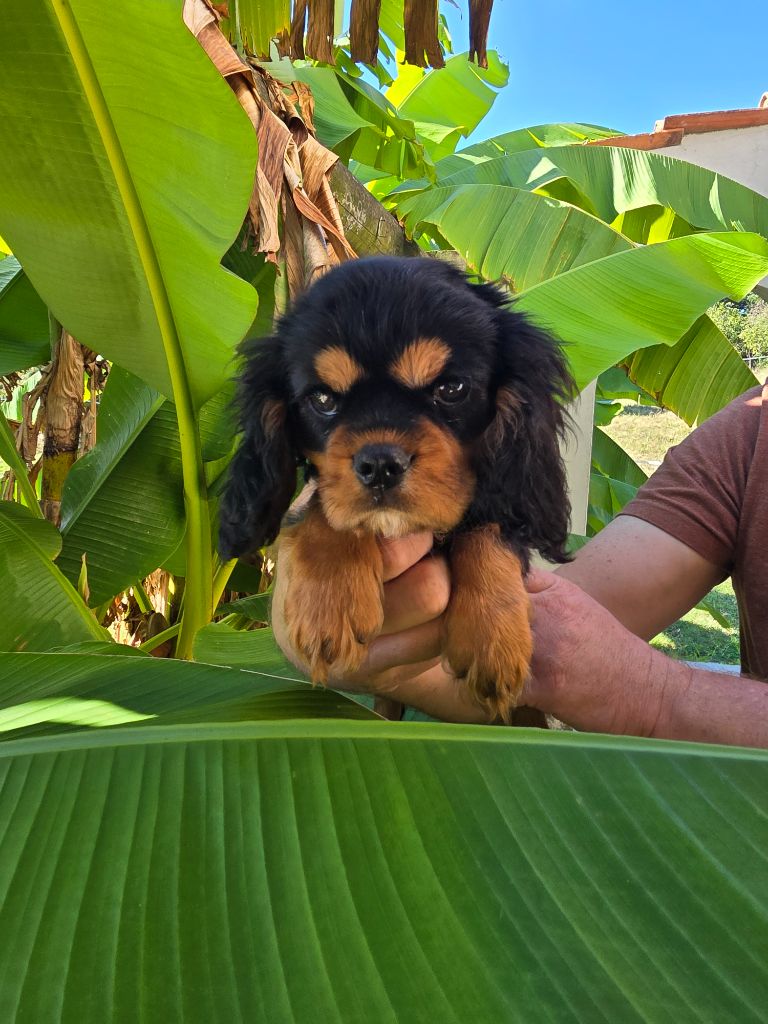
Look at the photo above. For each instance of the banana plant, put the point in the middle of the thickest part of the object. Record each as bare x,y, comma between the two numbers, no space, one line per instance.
136,218
189,839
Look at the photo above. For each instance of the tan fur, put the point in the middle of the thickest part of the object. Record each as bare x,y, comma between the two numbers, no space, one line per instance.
488,639
333,602
337,369
421,362
434,494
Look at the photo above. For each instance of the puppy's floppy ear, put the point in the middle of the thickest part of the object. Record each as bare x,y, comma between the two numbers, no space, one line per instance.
262,475
521,478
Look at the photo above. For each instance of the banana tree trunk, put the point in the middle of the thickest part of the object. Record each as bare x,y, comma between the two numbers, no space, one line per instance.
63,420
370,229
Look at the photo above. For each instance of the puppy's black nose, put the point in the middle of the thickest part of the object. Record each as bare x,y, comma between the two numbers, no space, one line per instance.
380,465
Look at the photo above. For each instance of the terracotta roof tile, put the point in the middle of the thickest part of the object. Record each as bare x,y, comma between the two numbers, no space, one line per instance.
671,130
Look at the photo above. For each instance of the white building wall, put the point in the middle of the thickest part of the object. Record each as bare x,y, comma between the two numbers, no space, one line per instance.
739,153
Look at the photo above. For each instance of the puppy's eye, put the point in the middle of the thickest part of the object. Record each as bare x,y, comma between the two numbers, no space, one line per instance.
322,402
450,392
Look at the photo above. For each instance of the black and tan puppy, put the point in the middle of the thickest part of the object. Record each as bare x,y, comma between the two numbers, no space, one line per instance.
417,401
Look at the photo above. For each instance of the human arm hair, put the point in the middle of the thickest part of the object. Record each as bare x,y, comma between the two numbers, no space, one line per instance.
645,577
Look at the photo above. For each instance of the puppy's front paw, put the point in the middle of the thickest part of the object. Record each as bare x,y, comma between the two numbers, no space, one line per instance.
488,639
331,621
491,652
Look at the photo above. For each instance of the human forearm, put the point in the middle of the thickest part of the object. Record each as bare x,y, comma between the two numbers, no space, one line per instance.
712,707
643,576
590,672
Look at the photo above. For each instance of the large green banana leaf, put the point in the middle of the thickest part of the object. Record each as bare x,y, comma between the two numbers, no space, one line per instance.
122,505
542,135
41,609
440,106
24,328
458,95
602,303
61,692
646,296
610,180
694,378
511,234
123,182
350,871
122,235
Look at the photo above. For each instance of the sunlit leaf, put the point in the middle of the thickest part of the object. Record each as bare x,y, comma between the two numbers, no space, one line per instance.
647,296
123,238
695,378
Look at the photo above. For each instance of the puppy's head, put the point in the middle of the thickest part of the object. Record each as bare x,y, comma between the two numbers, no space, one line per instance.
417,401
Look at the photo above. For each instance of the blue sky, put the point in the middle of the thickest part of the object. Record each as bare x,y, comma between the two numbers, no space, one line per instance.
620,64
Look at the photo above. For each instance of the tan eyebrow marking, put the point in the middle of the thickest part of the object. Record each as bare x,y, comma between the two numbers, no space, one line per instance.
337,369
421,362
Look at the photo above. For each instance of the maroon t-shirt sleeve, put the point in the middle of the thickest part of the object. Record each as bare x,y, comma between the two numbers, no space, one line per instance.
697,493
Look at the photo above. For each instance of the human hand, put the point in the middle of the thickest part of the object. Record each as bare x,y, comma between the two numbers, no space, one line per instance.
588,670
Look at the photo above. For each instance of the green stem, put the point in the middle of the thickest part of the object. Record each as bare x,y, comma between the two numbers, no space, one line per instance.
142,598
221,578
10,455
199,581
234,20
198,593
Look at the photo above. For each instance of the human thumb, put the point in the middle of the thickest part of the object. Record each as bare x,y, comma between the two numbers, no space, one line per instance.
538,580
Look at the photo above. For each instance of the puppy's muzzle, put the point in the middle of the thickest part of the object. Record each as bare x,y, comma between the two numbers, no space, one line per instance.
380,467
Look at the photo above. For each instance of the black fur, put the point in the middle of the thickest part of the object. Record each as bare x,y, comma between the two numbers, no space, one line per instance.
261,479
521,476
374,308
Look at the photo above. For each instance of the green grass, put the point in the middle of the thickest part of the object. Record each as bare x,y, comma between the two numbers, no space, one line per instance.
647,434
697,637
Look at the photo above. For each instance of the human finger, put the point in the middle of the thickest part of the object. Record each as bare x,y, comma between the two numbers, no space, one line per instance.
407,647
417,596
539,580
439,694
400,553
